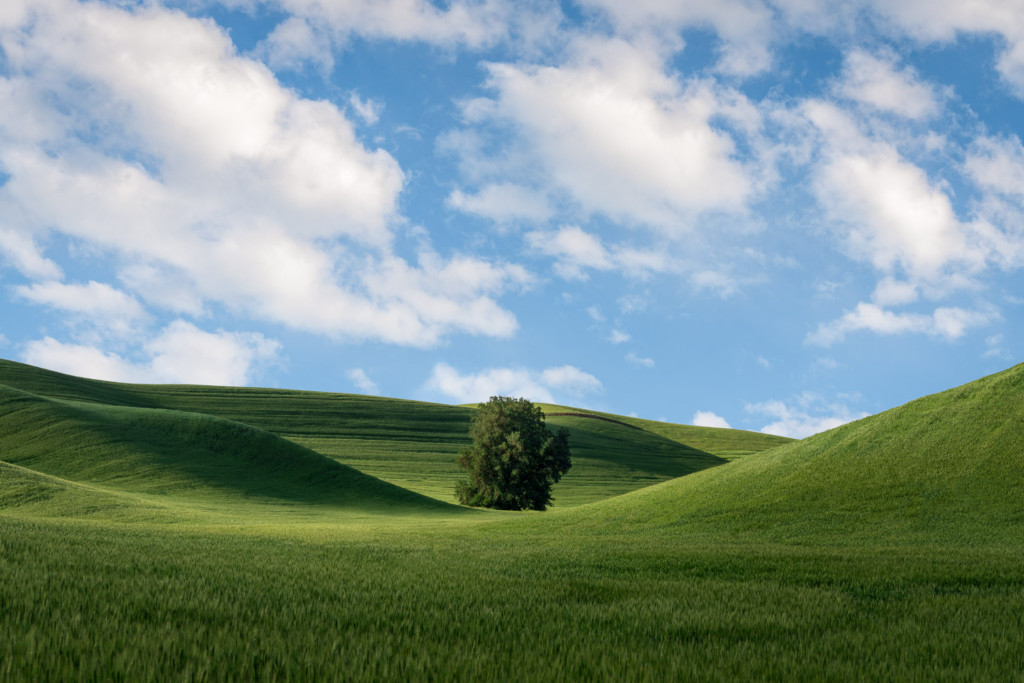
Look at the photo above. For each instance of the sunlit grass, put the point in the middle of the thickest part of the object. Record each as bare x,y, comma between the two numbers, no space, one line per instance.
140,540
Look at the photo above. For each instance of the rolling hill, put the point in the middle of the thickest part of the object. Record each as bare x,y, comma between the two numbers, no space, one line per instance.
410,444
121,455
729,444
169,532
947,467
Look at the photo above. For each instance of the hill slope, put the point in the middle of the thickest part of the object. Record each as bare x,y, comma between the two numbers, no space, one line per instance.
947,467
175,456
723,443
408,443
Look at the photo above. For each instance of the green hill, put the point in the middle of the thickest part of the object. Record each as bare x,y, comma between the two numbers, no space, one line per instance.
173,456
151,533
724,443
407,443
947,467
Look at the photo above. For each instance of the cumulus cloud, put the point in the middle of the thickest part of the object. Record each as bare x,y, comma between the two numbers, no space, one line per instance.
876,80
928,22
891,215
942,20
619,337
469,23
997,165
153,142
806,415
577,251
706,418
541,386
21,251
617,134
180,353
950,323
362,381
745,28
296,42
898,220
95,302
892,292
365,108
995,349
639,360
503,203
570,379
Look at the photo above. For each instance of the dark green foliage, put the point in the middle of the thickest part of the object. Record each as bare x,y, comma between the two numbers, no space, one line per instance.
514,459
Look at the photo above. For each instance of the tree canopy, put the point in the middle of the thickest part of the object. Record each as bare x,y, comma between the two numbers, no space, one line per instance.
514,459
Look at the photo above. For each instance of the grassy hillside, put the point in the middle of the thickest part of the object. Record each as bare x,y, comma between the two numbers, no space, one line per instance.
176,456
724,443
944,468
408,443
140,541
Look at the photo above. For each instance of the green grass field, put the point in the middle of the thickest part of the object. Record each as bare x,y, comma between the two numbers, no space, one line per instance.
201,533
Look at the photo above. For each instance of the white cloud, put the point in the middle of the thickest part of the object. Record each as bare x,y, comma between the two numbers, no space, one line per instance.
619,337
92,298
541,386
21,252
217,124
890,214
575,249
892,292
705,418
181,353
995,349
503,202
929,22
826,363
295,42
473,24
578,251
362,381
632,304
875,81
620,137
940,21
997,165
950,323
97,303
639,360
208,181
808,414
365,108
897,218
570,379
744,27
715,280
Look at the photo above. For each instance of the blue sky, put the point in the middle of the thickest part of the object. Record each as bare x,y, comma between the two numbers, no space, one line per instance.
776,216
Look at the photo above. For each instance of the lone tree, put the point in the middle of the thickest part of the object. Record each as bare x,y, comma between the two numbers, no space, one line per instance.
514,459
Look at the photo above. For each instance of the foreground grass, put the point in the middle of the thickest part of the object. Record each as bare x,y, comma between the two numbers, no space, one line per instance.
491,601
154,544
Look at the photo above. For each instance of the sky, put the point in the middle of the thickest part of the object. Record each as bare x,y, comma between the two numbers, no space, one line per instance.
770,215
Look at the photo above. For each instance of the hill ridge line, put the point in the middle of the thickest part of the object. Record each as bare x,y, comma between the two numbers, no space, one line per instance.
596,417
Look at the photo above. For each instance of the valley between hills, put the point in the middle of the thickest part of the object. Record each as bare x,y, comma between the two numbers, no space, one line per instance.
171,532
